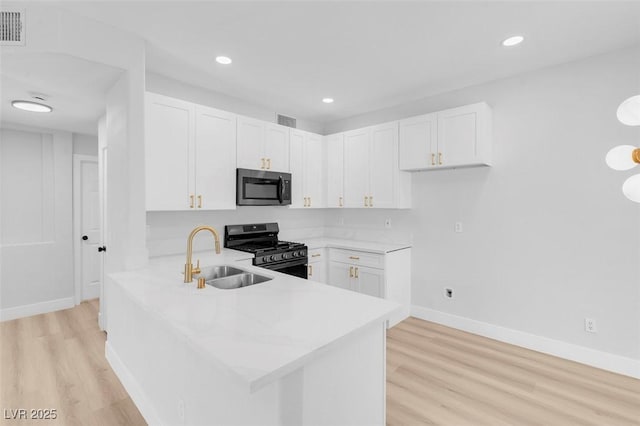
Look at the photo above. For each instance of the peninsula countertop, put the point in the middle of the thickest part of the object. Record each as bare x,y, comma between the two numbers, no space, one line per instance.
259,333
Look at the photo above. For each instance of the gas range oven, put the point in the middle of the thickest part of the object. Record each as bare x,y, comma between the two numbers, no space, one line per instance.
261,239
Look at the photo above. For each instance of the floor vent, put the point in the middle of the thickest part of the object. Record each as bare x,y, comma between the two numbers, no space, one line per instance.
12,28
286,121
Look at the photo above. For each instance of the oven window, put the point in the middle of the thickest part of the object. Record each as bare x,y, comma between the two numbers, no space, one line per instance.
260,189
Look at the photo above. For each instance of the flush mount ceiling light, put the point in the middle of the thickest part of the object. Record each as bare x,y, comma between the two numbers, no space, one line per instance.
224,60
31,106
512,41
327,100
626,157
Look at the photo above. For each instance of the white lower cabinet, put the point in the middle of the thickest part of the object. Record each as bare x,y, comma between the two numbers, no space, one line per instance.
317,266
385,275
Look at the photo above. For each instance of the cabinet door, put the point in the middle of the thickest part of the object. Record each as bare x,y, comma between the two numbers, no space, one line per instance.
417,143
276,147
168,139
250,146
335,170
314,170
356,167
369,281
215,154
339,275
383,165
296,151
317,271
458,136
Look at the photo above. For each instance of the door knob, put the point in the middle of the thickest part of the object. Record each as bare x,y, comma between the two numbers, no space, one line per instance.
85,238
101,249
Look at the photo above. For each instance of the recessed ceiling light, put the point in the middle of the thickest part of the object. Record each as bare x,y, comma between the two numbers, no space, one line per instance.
512,41
31,106
327,100
224,60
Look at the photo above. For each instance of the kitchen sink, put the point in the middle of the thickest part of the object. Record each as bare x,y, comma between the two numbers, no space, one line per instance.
243,279
219,271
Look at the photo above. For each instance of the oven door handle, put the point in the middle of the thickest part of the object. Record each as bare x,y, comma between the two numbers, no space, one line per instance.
280,189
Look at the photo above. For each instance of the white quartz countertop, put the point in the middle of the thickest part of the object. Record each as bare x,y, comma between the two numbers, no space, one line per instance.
368,246
258,333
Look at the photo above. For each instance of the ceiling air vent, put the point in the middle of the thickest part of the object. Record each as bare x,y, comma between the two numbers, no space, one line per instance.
286,121
12,27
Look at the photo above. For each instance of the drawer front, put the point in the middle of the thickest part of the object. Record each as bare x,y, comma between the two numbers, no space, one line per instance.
353,257
317,255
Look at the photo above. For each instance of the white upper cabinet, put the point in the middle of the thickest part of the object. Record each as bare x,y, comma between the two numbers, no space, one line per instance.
371,175
458,137
335,170
262,145
307,170
189,155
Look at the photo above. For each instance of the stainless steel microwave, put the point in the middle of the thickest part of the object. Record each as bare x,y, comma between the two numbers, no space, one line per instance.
262,188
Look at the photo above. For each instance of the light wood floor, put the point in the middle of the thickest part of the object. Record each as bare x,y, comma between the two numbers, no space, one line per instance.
438,375
435,375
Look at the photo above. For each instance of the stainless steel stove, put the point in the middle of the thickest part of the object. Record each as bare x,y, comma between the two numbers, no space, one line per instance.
261,239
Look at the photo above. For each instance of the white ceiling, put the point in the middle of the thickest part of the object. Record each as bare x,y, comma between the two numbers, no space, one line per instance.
366,55
74,87
289,55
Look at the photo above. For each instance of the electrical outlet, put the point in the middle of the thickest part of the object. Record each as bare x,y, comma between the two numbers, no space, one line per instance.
387,223
448,293
590,325
458,227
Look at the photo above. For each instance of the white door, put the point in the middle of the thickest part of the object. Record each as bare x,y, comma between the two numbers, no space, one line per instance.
87,219
369,281
296,154
383,165
458,136
250,147
335,170
356,167
314,170
168,126
417,145
339,275
215,159
276,147
36,228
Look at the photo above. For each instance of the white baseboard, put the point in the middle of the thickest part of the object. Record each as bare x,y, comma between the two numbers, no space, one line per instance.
36,308
604,360
131,386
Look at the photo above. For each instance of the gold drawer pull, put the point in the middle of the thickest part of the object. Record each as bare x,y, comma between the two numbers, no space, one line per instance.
440,158
354,257
433,159
268,163
371,201
263,163
340,201
366,201
350,271
356,275
316,255
310,270
191,203
309,201
199,201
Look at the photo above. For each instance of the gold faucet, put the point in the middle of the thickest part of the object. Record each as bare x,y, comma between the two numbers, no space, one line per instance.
189,270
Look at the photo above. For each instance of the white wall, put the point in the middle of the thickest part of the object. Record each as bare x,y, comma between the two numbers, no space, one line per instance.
85,144
169,87
548,238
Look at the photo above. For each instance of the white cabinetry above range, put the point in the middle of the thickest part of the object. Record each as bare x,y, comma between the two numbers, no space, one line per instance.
262,145
190,155
457,137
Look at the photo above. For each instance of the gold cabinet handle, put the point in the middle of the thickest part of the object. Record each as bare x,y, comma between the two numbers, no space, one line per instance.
310,272
309,201
433,159
440,158
316,255
268,163
356,275
263,163
192,199
340,201
371,201
306,202
199,201
366,201
350,271
354,257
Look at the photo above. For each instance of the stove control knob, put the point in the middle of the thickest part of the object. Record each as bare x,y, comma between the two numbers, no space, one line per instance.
285,256
294,254
301,253
271,258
